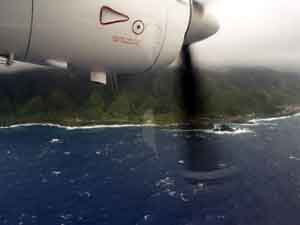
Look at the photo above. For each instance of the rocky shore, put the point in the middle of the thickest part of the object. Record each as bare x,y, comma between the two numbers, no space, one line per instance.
203,122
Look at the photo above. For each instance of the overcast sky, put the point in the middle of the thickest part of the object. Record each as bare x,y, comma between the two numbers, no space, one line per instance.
262,32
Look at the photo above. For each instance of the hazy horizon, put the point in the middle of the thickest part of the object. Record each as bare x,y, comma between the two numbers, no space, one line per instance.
261,33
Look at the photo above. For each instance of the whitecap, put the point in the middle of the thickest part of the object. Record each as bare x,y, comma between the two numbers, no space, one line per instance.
292,157
183,197
66,216
165,183
147,217
56,173
181,162
172,193
85,194
54,141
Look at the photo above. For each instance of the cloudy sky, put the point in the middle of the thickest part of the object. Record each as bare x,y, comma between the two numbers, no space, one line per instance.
254,32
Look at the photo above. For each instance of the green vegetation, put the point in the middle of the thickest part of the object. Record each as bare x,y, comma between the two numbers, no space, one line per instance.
62,97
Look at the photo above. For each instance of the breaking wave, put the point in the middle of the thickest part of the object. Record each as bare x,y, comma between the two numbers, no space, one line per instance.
77,127
263,120
211,131
252,122
235,132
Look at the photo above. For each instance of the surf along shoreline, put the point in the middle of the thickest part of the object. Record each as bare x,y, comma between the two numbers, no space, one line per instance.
199,123
206,127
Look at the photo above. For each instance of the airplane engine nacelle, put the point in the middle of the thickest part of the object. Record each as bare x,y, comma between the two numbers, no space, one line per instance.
126,36
15,27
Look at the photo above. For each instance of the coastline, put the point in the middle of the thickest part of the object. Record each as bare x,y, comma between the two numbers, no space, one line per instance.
205,123
96,126
208,127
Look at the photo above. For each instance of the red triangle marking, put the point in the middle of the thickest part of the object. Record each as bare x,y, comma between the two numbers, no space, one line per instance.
123,17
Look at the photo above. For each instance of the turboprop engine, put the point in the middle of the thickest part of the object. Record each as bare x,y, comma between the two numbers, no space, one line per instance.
121,36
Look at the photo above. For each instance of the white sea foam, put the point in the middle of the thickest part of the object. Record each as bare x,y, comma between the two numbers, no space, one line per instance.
262,120
147,217
77,127
165,183
172,193
54,141
183,197
211,131
56,173
66,216
292,157
253,122
31,125
258,121
235,132
181,162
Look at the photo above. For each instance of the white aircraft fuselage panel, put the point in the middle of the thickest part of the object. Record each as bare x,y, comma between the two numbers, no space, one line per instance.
121,36
15,25
102,35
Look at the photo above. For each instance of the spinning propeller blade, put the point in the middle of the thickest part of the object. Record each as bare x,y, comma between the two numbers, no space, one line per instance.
202,161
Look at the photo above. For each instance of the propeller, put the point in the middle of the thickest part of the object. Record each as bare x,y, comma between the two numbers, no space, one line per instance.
202,161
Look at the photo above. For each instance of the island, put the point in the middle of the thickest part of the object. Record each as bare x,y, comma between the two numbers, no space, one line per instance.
226,95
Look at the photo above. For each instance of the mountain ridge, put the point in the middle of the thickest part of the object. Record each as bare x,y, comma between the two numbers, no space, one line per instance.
69,98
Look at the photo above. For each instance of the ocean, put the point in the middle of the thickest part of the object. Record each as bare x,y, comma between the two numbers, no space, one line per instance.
132,175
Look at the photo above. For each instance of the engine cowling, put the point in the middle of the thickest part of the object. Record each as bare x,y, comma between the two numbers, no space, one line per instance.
15,27
122,36
109,35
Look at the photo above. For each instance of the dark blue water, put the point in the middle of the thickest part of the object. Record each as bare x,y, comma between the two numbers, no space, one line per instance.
129,176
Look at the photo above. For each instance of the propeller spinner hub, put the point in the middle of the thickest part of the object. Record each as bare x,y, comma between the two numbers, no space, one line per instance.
202,24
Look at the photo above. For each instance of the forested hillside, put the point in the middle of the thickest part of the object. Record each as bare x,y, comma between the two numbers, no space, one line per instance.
68,98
